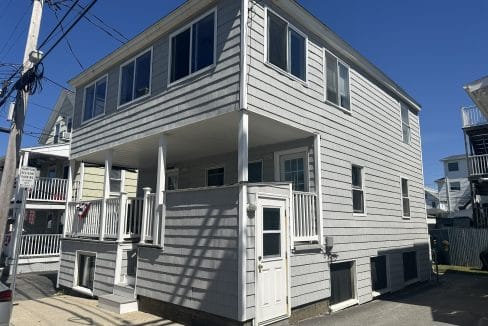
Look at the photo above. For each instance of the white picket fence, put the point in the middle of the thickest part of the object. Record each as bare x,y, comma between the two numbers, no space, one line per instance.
39,245
305,222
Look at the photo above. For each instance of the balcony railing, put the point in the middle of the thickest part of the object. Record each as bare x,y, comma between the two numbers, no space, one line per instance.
478,165
39,245
48,189
472,116
305,222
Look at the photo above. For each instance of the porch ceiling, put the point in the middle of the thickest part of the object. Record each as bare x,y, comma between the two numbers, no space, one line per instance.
206,138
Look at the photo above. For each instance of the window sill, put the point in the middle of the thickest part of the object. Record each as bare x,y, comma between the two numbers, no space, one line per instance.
406,217
359,214
348,111
86,122
192,75
343,305
286,74
134,101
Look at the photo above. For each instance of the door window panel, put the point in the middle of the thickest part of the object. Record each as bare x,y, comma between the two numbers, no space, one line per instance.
271,232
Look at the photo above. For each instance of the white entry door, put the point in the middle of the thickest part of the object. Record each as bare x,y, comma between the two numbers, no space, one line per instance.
272,276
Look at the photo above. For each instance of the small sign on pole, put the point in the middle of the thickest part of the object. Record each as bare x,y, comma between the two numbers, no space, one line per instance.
27,177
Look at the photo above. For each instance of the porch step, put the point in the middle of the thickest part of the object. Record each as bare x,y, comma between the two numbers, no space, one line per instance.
117,303
124,291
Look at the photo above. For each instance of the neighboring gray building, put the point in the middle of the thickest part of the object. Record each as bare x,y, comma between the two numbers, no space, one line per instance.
279,170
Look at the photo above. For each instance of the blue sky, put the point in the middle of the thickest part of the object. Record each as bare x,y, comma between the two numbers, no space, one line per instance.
431,48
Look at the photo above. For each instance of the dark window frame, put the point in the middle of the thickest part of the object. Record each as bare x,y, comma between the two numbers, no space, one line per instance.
213,169
451,164
405,197
358,189
290,29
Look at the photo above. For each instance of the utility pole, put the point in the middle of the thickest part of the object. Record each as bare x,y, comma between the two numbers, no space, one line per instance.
17,128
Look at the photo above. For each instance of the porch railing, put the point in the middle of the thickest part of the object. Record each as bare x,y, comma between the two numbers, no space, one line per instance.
305,223
478,164
48,189
472,116
39,245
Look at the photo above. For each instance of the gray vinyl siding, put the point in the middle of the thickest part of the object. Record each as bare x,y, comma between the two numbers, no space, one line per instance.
198,266
104,264
369,136
205,95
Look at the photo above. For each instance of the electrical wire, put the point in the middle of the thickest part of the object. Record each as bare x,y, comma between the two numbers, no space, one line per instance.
69,45
24,14
58,24
58,84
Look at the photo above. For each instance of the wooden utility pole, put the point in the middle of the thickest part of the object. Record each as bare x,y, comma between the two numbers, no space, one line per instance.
17,128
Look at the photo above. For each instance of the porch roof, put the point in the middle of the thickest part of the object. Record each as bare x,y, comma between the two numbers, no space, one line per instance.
202,139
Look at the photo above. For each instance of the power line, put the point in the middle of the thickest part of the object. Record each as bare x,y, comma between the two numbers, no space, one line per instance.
58,84
69,45
14,30
58,24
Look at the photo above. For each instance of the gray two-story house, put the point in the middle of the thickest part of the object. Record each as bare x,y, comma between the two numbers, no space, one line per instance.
279,171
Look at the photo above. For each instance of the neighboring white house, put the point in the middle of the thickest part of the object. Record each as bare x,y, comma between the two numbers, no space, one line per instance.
454,188
280,171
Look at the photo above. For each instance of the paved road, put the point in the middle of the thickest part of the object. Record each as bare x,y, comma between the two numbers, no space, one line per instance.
460,299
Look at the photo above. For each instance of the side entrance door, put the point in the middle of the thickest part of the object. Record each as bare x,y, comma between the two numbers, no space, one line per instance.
272,273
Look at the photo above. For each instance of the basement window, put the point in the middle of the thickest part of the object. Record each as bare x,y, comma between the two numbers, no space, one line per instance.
286,46
193,48
135,78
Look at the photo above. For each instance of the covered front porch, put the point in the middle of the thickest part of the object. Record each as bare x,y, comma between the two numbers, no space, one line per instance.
230,150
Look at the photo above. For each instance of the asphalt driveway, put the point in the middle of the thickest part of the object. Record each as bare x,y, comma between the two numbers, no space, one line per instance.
460,299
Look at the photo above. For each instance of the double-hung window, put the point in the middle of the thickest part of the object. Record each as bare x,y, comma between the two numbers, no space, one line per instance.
193,48
357,189
405,124
452,166
287,47
135,78
115,180
337,81
95,95
405,198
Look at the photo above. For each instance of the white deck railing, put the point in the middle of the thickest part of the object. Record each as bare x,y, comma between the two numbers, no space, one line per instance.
84,218
39,245
478,164
48,189
148,216
472,116
305,224
135,208
112,219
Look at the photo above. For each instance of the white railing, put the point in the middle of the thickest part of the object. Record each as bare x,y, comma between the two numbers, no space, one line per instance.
135,208
36,245
48,189
478,164
305,224
84,218
148,216
472,116
112,220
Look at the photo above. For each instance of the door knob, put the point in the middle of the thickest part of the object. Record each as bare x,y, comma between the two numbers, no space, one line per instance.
260,267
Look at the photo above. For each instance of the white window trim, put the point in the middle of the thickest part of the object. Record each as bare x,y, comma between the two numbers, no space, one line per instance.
299,150
76,287
363,188
213,168
457,170
84,99
401,124
454,190
388,277
134,58
122,182
324,64
401,198
295,29
262,167
170,47
355,300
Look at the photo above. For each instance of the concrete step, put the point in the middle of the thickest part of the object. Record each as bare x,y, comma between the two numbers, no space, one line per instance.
124,291
117,304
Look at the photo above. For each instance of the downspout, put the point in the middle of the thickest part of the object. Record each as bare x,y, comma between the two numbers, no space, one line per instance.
242,167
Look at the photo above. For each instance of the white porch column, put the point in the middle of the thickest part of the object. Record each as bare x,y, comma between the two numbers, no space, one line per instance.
159,212
25,159
69,195
122,216
106,191
243,160
145,212
79,194
318,186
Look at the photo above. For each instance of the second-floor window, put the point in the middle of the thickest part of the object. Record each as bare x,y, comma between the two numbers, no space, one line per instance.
135,78
286,46
357,189
193,48
405,198
453,166
337,81
57,131
455,186
95,99
405,124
